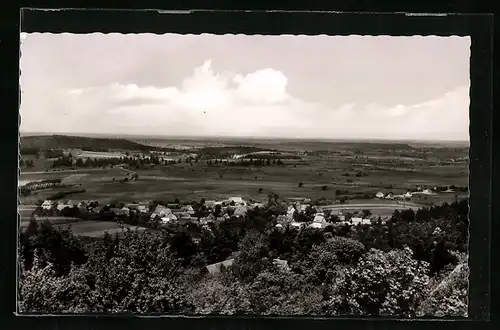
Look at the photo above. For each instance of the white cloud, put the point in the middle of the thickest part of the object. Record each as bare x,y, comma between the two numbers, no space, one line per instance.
257,103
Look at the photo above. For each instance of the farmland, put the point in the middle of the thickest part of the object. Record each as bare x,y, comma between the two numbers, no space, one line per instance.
330,171
333,165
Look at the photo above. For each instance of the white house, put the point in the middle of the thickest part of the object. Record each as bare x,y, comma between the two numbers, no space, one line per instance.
319,218
316,225
237,200
46,205
428,192
161,211
215,269
188,209
356,221
168,218
379,195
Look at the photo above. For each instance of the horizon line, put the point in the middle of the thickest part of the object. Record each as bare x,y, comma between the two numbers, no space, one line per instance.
159,136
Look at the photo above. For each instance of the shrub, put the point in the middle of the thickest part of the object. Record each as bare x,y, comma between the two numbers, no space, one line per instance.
450,297
382,284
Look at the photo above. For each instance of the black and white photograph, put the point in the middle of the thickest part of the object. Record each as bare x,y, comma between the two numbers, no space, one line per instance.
261,175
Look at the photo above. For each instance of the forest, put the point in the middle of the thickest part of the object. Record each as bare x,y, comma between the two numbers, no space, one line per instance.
414,265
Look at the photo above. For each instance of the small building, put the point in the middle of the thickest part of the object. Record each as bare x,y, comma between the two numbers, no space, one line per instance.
428,192
168,218
236,200
317,225
281,264
210,204
188,209
380,195
215,269
319,218
160,211
356,221
47,205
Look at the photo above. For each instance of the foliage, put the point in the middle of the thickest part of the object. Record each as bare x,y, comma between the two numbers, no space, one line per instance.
450,297
385,284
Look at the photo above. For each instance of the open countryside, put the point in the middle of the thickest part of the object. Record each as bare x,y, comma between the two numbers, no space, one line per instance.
333,176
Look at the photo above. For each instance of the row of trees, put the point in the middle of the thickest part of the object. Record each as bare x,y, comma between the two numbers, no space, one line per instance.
248,162
69,161
336,271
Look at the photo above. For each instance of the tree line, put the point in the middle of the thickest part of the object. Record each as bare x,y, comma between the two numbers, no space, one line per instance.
368,270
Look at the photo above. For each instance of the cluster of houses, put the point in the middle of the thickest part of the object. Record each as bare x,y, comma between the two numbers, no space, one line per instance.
407,195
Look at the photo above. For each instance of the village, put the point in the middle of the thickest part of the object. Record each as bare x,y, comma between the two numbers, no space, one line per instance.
298,212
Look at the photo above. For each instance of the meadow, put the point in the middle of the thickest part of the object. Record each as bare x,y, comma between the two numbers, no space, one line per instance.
326,168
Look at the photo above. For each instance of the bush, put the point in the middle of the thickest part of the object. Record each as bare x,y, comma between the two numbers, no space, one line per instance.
382,284
450,297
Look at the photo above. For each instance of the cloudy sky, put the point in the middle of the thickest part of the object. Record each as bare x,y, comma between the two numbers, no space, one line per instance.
236,85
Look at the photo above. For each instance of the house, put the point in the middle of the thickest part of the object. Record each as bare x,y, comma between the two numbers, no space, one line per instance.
356,221
389,196
237,200
428,192
133,206
342,217
407,195
366,222
216,268
160,211
303,207
143,208
316,225
61,207
188,209
47,205
379,195
168,218
124,211
319,218
281,264
290,211
279,225
296,224
210,204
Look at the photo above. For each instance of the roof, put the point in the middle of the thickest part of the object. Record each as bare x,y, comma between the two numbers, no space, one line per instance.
214,269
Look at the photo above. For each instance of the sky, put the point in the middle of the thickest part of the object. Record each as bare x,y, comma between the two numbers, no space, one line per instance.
338,87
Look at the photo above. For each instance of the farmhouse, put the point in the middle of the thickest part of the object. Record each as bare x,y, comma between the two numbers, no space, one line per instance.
281,264
188,209
237,200
216,268
46,205
210,204
160,211
168,218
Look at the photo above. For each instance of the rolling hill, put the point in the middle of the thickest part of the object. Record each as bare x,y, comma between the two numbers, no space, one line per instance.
79,142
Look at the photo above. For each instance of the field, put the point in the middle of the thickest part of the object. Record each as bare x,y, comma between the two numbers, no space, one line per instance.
357,171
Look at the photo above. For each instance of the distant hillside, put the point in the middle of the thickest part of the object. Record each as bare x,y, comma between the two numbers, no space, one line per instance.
78,142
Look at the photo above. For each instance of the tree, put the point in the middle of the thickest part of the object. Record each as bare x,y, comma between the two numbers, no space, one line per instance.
301,184
324,188
366,213
261,190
